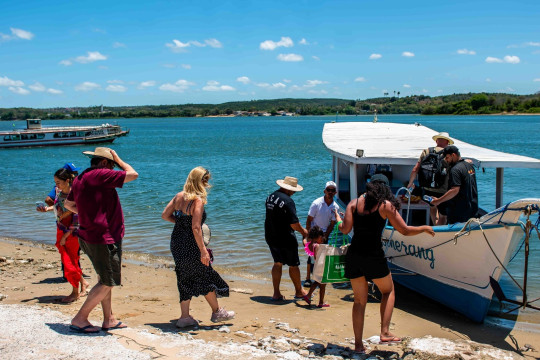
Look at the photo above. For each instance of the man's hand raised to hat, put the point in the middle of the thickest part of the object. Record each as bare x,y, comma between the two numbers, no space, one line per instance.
131,174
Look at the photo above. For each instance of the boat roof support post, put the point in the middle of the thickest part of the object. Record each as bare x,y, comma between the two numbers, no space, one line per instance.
353,188
334,170
499,182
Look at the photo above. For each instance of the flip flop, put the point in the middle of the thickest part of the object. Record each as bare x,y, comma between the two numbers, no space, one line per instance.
299,297
281,298
82,330
323,305
306,299
117,326
391,340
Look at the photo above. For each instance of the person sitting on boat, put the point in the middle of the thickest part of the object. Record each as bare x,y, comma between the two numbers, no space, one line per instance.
365,259
437,213
462,193
321,214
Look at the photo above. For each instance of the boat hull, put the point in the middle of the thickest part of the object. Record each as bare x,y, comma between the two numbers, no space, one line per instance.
457,272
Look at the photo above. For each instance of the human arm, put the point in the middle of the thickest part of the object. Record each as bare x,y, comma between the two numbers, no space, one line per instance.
413,175
308,222
131,174
198,209
300,229
450,194
388,211
347,222
71,206
167,213
329,229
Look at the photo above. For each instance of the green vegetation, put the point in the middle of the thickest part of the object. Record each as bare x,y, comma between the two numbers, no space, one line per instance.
456,104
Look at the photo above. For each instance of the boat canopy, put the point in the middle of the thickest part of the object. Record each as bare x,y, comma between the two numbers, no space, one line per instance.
402,144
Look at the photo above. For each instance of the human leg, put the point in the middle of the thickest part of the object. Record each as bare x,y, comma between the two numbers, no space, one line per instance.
386,287
71,273
277,270
360,291
96,295
322,291
294,273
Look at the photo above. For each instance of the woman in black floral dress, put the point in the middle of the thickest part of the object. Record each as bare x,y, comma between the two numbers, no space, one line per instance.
195,275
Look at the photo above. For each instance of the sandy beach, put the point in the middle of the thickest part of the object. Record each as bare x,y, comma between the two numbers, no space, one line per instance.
35,324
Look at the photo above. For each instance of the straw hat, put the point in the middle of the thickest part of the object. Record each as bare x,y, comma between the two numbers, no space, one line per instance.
101,152
289,183
443,135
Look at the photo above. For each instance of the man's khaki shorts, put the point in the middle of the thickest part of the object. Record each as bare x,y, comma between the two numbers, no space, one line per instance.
107,261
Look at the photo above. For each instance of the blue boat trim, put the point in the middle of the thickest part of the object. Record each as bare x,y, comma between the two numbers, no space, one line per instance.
470,304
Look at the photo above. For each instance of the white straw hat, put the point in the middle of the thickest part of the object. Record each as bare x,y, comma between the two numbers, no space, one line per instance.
289,183
443,135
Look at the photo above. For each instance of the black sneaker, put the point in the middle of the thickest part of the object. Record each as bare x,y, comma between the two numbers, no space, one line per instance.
307,283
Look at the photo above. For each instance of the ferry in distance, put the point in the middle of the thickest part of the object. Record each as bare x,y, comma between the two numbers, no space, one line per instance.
36,135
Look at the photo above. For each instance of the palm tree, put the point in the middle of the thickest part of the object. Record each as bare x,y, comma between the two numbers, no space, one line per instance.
398,94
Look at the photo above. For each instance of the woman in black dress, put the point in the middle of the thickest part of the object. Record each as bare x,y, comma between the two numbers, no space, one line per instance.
195,275
365,257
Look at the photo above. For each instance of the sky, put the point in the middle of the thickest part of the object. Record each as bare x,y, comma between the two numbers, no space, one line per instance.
121,53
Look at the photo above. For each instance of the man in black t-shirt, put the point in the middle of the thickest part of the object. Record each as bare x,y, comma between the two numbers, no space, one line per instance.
279,226
462,191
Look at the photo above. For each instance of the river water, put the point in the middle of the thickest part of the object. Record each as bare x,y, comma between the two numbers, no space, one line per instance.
245,156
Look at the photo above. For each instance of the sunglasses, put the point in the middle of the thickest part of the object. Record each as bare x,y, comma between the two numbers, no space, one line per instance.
331,190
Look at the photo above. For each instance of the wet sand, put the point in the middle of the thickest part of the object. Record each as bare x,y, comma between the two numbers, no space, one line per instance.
148,301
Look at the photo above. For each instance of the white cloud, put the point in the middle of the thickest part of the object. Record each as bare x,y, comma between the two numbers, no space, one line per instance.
178,46
19,90
213,43
146,84
243,79
263,85
5,81
466,52
425,91
179,86
510,59
186,66
21,34
116,88
526,44
375,56
279,85
360,79
287,81
37,87
115,82
290,57
318,92
303,42
407,54
492,60
66,62
537,79
87,86
54,91
316,58
313,83
272,45
91,57
531,43
213,85
406,86
118,45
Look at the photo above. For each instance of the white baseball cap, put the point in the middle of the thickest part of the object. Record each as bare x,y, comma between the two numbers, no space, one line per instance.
330,184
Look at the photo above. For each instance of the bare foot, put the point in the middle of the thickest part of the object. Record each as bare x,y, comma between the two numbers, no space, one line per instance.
389,339
70,298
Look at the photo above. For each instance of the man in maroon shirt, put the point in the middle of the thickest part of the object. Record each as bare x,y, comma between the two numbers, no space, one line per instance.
101,228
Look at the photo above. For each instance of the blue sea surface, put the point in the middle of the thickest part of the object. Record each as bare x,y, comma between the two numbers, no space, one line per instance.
245,156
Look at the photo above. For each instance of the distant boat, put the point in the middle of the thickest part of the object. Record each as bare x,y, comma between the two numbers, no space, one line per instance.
461,265
36,135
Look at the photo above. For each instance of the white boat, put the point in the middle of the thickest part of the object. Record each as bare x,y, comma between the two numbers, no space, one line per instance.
461,265
36,135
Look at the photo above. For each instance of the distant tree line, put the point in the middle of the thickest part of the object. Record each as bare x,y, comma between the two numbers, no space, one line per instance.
456,104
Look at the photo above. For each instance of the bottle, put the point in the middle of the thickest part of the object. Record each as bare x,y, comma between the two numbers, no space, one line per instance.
427,199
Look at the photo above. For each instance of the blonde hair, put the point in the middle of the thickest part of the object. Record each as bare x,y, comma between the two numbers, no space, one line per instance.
196,184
